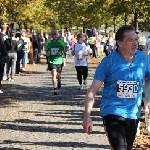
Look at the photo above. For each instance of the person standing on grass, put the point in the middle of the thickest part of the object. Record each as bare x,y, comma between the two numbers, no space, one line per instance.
122,73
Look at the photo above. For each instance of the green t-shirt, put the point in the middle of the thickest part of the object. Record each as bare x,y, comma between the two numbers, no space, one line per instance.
91,40
53,47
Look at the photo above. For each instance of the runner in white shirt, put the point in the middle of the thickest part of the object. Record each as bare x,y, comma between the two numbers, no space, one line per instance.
80,53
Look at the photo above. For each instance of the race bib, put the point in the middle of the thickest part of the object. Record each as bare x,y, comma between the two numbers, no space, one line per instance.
54,51
127,89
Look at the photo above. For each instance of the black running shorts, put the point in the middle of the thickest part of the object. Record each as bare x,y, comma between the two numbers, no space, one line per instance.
58,67
120,131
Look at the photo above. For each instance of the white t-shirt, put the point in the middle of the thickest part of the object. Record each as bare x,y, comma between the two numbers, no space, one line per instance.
68,38
80,51
27,40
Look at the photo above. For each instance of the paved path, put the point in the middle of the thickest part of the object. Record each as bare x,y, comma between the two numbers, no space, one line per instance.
32,118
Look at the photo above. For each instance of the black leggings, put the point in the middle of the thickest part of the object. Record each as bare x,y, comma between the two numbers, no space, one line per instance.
81,71
120,131
94,51
1,73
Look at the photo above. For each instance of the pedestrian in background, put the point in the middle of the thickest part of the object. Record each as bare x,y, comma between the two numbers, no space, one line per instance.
3,60
12,48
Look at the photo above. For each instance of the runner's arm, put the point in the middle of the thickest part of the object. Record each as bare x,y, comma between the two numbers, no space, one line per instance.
66,49
90,97
47,49
73,51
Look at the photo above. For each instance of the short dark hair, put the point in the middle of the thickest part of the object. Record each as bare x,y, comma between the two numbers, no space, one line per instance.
120,32
13,33
79,35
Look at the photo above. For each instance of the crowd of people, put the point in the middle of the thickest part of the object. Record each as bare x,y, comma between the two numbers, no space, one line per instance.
122,72
17,45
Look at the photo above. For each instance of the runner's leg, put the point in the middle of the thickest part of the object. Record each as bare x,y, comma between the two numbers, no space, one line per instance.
79,76
59,70
85,74
59,80
54,80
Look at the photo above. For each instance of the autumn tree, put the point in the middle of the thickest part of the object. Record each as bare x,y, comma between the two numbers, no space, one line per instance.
49,14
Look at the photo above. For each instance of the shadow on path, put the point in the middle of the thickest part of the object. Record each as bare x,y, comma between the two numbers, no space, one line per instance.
60,144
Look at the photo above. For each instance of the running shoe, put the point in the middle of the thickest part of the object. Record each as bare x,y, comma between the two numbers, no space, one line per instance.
55,92
1,91
85,82
81,87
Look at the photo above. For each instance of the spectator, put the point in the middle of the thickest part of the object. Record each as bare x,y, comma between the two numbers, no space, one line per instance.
3,59
142,42
12,48
4,37
35,48
26,50
39,43
20,53
92,43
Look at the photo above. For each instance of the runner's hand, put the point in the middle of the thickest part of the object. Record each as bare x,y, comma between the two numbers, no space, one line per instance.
73,53
59,53
87,125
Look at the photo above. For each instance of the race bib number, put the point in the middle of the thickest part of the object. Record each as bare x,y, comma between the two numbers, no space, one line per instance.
54,51
127,89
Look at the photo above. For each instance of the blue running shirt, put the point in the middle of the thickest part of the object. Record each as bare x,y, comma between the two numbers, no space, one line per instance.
123,84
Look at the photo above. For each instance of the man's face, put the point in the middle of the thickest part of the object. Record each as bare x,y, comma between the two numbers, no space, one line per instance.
80,40
54,35
130,42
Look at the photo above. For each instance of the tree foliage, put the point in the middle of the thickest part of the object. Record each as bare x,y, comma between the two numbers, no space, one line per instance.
48,14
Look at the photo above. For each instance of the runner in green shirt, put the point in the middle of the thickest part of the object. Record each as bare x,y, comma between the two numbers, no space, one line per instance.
55,50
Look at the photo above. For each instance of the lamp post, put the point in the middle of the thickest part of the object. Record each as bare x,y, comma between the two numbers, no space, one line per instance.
125,19
136,20
25,25
106,26
84,28
20,25
114,24
14,14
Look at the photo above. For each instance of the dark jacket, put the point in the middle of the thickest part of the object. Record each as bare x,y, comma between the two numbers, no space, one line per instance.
11,45
34,45
3,53
39,40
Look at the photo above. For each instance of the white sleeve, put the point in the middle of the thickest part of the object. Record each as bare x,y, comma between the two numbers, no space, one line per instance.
87,47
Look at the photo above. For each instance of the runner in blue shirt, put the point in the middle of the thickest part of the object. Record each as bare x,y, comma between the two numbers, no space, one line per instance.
122,74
